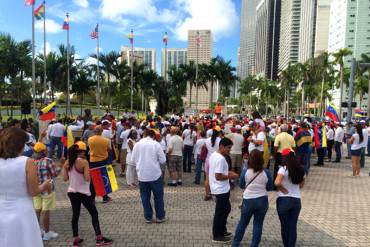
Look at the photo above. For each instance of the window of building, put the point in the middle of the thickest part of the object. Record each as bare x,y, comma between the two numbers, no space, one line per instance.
351,31
352,15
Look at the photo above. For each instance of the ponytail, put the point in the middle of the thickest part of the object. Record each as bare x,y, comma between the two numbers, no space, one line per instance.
72,156
295,169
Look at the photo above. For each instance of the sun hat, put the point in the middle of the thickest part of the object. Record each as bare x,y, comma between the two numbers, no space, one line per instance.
39,147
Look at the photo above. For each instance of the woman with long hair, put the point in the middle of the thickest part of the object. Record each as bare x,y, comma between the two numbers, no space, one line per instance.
212,144
256,183
289,181
189,134
356,145
76,170
18,184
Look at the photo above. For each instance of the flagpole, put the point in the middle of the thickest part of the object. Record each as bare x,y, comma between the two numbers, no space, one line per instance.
98,73
33,63
132,73
68,75
45,99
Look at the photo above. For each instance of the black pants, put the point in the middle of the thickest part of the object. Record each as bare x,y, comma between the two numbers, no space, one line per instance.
320,156
222,211
76,200
330,148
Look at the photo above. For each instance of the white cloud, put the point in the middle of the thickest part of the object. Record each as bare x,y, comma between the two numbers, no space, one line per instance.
48,46
90,61
51,26
218,15
82,3
79,15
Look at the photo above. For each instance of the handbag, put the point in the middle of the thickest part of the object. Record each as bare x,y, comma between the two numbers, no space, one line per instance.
203,153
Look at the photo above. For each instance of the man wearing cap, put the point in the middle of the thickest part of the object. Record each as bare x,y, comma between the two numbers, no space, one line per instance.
338,140
46,201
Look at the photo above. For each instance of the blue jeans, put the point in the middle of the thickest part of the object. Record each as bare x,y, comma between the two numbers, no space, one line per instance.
368,147
146,189
303,158
198,171
251,207
362,157
288,209
56,141
338,152
348,150
188,152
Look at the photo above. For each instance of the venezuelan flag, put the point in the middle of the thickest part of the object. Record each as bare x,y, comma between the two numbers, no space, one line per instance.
332,112
302,137
266,153
104,180
165,38
48,112
66,23
130,36
40,12
320,137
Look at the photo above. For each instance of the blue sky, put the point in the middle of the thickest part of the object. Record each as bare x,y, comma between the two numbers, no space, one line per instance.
149,19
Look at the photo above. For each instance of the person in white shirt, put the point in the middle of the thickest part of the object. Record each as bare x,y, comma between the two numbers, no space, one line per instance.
147,156
330,140
356,142
289,181
365,133
130,174
338,140
55,137
368,141
256,183
219,181
257,139
175,149
197,151
119,129
123,137
236,151
188,136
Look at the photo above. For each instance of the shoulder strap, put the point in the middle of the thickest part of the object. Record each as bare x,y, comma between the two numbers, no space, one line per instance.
253,178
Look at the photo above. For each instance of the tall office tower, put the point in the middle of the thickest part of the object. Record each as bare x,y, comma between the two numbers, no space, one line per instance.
200,45
349,28
247,38
307,30
322,26
267,38
289,32
175,57
146,56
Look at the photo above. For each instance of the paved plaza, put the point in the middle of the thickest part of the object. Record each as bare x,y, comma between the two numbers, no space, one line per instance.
335,212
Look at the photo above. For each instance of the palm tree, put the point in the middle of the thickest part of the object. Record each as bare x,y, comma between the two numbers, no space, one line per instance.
82,82
189,71
53,70
339,59
176,86
366,59
247,86
288,79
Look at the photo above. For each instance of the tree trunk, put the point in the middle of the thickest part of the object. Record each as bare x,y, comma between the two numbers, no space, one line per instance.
211,95
81,103
110,98
191,88
20,90
341,91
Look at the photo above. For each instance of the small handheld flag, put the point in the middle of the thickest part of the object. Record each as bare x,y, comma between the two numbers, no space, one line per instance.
165,38
40,12
29,2
48,112
332,112
104,180
66,22
95,34
131,36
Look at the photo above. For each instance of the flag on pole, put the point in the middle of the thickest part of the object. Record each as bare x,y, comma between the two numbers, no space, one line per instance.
66,23
48,112
29,2
95,34
165,38
131,36
332,112
40,12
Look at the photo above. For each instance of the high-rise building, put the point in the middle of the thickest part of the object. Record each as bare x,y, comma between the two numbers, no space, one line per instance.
200,45
349,28
175,57
322,26
267,38
146,56
247,38
289,32
307,30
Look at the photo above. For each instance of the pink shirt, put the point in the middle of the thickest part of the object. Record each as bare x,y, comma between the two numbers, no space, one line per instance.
77,182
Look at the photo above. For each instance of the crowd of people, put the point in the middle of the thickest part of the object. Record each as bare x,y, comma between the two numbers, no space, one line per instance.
157,151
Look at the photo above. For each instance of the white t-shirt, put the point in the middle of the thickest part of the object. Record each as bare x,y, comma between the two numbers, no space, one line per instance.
176,144
259,137
210,149
330,134
238,141
209,133
189,138
293,189
356,145
218,164
339,134
258,187
124,136
365,133
198,146
57,130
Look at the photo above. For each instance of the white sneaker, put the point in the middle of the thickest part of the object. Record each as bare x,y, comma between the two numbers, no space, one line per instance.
49,235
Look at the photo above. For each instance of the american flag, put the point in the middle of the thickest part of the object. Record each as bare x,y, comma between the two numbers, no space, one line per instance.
95,34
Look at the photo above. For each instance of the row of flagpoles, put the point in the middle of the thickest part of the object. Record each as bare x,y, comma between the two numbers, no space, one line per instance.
40,13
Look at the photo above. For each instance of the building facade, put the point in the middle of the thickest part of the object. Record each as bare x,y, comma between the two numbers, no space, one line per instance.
322,26
200,46
146,56
289,32
247,38
349,28
307,30
175,57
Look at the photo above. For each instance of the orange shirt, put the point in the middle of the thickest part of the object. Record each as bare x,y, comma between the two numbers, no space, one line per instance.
99,147
218,109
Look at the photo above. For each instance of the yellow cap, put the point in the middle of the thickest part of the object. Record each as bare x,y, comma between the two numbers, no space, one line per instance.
81,145
39,147
217,128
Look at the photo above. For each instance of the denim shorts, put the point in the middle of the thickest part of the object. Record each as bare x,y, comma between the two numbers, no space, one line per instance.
356,152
